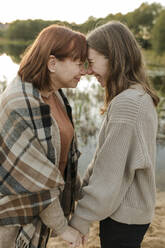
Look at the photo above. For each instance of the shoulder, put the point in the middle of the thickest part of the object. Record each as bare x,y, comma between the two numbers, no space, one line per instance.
19,96
127,105
21,102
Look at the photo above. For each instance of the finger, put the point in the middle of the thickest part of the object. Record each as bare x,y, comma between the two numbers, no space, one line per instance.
85,239
78,242
72,245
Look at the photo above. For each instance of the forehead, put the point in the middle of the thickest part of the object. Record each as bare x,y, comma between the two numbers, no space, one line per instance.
69,62
92,54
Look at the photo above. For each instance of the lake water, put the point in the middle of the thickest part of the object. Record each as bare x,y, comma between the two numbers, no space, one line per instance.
85,100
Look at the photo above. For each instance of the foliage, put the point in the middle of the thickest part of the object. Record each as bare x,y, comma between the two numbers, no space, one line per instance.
24,30
28,29
1,33
152,59
144,17
158,34
141,21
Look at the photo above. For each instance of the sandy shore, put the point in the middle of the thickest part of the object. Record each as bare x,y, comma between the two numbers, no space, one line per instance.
155,237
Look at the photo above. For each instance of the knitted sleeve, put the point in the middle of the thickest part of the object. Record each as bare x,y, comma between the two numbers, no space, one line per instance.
53,217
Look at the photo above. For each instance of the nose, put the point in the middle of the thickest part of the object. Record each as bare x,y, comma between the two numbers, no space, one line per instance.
83,70
89,70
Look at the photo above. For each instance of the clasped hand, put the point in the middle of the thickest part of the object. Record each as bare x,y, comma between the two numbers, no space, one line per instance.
74,237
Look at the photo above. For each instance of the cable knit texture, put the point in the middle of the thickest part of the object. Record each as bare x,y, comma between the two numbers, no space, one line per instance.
120,181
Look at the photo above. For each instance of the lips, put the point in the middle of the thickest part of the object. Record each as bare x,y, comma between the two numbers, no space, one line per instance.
98,78
77,78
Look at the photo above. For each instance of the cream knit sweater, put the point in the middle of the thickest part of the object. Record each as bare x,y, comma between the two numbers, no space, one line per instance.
120,182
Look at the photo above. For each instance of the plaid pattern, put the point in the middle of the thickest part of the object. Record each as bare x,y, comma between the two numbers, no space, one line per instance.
29,177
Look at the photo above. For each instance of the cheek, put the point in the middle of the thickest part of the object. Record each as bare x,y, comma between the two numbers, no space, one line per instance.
73,69
69,71
105,72
96,68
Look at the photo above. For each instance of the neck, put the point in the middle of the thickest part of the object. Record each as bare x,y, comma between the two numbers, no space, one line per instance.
55,84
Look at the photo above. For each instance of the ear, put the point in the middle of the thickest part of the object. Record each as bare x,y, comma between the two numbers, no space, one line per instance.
51,64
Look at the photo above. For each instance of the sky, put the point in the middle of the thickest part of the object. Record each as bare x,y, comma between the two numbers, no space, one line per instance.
66,10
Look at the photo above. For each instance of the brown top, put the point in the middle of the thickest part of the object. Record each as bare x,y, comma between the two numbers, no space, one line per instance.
65,126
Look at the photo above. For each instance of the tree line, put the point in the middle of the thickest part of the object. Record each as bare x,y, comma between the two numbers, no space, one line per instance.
146,22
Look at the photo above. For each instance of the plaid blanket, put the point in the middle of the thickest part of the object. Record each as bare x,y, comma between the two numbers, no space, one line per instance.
29,177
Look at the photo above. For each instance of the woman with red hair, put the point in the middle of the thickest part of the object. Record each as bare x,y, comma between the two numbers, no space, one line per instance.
38,149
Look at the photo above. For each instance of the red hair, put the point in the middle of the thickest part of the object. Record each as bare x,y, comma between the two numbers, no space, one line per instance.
60,41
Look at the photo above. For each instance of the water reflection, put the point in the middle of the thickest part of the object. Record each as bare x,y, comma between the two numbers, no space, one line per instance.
86,103
160,165
14,50
8,69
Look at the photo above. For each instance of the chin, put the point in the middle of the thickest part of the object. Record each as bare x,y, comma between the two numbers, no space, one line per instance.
71,85
102,84
74,85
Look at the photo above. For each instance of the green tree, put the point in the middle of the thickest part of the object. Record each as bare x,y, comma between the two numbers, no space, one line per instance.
143,17
89,25
141,22
28,29
2,33
24,30
158,34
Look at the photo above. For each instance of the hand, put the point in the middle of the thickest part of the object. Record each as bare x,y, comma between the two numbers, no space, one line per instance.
72,236
85,239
